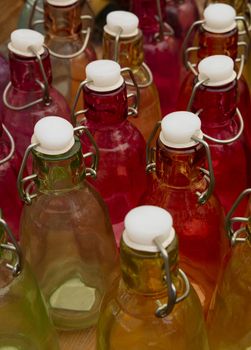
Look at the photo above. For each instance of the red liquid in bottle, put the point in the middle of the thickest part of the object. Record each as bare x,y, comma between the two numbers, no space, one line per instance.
4,74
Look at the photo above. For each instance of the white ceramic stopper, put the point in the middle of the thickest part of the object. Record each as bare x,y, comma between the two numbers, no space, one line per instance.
125,21
219,18
177,129
23,39
104,75
55,135
61,3
144,224
218,69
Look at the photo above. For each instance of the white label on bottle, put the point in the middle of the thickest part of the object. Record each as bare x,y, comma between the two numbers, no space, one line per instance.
73,295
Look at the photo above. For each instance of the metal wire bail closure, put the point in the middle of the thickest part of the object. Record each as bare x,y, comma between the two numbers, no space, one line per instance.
132,110
237,236
151,151
35,8
13,247
172,299
92,170
12,145
46,99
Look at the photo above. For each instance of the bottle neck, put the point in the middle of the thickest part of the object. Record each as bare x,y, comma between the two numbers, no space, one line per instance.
217,104
130,50
106,108
144,272
180,168
218,43
63,22
25,72
59,173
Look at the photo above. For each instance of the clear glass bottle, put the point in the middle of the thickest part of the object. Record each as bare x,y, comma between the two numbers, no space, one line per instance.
215,98
29,95
66,233
228,325
177,183
25,324
161,50
68,43
123,42
121,177
32,12
152,305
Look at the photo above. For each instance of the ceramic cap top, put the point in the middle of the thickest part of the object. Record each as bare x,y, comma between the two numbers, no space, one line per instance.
61,2
122,20
219,18
55,135
177,129
219,69
104,75
145,223
23,39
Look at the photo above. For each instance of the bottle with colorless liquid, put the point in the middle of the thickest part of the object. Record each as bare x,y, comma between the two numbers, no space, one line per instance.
215,97
121,177
152,305
161,50
179,183
29,95
68,43
228,326
123,42
66,233
32,13
25,324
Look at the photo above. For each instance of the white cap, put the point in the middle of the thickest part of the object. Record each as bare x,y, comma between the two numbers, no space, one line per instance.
219,18
144,224
219,69
104,75
61,2
23,39
122,20
55,135
177,129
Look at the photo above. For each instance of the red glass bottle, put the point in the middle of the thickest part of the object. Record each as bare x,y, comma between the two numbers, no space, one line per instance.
216,99
177,183
29,95
123,42
121,176
68,43
4,74
161,51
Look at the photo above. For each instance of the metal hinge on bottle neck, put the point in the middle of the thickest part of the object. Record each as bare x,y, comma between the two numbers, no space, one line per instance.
12,145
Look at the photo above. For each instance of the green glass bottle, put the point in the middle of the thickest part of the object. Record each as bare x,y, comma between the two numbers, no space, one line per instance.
152,305
25,324
66,234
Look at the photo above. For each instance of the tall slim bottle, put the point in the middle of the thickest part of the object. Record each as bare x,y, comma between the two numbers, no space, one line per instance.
161,50
66,233
4,73
25,324
68,43
229,325
215,99
152,305
178,182
29,95
123,42
121,177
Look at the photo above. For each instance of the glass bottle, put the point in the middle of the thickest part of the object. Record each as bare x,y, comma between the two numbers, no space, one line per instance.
25,324
123,42
29,95
215,99
9,164
68,44
152,305
161,50
4,73
32,12
121,178
229,326
66,233
177,182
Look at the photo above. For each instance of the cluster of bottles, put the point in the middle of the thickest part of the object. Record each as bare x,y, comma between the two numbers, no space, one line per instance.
122,158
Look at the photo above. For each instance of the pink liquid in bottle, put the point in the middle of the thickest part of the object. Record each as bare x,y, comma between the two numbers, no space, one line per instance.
121,173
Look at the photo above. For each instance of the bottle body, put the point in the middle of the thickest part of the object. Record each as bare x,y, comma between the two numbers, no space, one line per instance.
4,74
